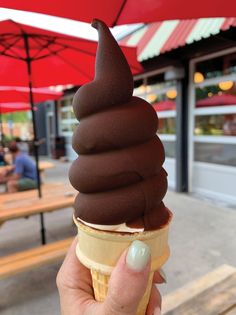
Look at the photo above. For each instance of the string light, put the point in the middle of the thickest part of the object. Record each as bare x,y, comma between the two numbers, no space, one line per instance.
198,77
226,85
151,98
171,94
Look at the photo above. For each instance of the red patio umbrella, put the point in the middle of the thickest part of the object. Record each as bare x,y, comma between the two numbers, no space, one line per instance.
54,58
36,57
9,94
117,12
217,100
6,108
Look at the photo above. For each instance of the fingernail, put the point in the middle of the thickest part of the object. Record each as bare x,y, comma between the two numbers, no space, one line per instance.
163,275
138,256
157,311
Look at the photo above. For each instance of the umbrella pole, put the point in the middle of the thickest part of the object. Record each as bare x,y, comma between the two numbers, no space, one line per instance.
35,144
1,127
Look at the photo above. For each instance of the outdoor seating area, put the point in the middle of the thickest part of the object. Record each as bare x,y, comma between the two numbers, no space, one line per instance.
117,157
22,205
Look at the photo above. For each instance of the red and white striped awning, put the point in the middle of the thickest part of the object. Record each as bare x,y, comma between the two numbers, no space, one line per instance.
160,37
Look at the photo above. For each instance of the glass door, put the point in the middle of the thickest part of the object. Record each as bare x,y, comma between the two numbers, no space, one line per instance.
214,127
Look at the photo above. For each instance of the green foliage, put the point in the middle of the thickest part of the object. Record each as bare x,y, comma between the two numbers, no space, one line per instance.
202,93
20,117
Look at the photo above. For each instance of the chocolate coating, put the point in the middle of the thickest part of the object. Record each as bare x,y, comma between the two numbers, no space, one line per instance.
105,89
114,169
121,205
121,126
119,169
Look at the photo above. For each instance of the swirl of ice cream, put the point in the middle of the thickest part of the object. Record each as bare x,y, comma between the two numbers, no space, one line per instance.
118,171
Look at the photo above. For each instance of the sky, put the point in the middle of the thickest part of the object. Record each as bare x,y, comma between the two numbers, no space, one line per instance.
57,24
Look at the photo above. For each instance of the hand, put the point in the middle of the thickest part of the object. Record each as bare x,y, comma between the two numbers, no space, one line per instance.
126,286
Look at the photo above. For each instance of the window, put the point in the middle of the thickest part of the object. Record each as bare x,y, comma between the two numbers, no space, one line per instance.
216,125
169,148
217,153
217,67
67,121
215,111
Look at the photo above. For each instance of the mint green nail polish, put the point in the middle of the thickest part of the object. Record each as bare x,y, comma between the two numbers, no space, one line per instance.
138,256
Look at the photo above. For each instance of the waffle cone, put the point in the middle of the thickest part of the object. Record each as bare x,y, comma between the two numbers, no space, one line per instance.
100,250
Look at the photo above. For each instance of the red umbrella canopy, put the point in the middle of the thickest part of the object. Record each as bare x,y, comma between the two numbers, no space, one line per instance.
217,100
54,58
117,12
13,107
9,94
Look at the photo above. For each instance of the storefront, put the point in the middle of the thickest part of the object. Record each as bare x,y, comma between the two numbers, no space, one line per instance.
212,144
197,112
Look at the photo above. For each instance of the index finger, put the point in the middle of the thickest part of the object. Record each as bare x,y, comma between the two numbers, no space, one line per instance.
72,273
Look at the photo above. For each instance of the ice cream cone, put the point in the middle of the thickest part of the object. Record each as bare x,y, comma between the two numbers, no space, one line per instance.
100,250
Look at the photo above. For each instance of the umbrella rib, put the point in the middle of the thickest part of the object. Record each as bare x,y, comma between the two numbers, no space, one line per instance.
65,46
76,68
11,56
7,47
59,56
79,50
36,39
43,46
48,55
119,13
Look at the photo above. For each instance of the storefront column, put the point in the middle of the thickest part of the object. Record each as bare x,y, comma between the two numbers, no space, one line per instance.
182,133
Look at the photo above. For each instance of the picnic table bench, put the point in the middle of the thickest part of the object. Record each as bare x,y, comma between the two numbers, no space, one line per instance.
13,264
45,165
212,294
23,204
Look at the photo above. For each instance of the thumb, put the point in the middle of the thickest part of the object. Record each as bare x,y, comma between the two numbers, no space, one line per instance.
128,280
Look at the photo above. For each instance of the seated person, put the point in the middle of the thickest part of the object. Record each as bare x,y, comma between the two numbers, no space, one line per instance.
24,175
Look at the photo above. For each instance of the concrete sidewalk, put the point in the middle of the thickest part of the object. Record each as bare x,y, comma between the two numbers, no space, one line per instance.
202,237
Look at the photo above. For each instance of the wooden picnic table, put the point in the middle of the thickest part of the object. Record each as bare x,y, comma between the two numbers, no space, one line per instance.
35,257
45,165
23,204
212,294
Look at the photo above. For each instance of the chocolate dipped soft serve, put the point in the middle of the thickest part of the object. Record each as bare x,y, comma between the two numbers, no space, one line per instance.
118,172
